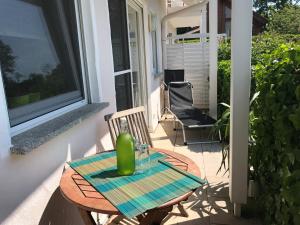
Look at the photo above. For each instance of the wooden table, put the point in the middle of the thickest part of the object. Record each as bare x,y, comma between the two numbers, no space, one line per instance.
80,193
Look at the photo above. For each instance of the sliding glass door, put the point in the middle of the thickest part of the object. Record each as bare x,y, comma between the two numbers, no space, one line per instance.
126,20
135,22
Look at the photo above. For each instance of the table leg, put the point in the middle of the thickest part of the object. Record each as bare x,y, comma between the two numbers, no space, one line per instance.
154,216
87,217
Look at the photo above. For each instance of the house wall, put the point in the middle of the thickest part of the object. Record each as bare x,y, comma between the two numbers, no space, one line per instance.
153,81
29,192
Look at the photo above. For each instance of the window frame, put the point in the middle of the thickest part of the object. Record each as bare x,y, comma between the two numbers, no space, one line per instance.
154,32
15,130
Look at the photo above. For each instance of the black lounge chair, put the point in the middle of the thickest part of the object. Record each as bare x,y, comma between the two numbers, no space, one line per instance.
173,76
181,107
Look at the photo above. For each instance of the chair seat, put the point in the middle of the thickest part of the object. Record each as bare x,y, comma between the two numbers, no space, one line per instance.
192,117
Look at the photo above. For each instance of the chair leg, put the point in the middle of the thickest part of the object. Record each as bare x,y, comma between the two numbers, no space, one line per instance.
182,210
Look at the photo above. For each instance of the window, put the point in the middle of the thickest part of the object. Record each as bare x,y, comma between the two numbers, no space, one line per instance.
123,92
120,45
154,43
39,57
227,21
119,34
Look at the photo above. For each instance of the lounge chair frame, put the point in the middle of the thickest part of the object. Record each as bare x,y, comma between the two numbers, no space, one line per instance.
183,126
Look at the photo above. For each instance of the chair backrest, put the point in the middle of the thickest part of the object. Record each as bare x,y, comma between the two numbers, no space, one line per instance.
136,124
173,76
180,94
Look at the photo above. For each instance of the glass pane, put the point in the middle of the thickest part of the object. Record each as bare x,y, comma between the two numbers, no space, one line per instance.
154,52
123,91
154,43
119,34
135,57
39,57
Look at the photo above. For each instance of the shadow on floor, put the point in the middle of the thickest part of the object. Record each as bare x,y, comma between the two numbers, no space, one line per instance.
199,206
193,135
58,211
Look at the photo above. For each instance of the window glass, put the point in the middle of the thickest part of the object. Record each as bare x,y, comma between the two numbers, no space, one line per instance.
227,21
119,34
154,44
123,91
39,57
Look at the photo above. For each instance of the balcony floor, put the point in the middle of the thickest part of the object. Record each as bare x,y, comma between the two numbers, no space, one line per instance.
209,205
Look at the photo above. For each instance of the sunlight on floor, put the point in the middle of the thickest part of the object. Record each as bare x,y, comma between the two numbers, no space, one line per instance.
208,205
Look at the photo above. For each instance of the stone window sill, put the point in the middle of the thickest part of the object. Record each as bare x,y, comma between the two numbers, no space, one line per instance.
31,139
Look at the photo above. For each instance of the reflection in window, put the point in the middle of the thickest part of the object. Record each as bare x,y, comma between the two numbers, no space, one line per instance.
119,34
154,43
123,91
39,57
228,21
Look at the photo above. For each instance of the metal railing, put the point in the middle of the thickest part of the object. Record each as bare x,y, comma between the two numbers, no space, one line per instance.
175,3
185,37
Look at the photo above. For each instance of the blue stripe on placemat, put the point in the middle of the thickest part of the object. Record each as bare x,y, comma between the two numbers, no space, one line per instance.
153,157
164,188
94,158
163,194
120,181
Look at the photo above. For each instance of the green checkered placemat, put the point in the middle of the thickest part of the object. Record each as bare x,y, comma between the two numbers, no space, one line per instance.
135,194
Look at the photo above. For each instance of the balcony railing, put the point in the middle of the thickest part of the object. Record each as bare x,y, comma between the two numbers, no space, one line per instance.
175,3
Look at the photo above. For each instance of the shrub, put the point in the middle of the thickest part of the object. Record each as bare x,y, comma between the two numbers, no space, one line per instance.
275,123
261,45
276,155
224,71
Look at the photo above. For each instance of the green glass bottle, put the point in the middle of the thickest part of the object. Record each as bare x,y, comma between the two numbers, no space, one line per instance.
125,152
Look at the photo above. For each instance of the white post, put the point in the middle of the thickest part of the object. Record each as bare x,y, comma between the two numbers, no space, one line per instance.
203,20
5,139
213,57
241,24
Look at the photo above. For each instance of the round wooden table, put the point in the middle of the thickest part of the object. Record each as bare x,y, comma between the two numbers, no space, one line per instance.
79,192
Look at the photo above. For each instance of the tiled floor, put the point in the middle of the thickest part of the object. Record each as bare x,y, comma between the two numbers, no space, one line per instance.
209,205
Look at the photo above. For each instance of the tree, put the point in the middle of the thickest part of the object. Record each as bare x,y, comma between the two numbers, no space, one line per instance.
7,60
264,6
285,21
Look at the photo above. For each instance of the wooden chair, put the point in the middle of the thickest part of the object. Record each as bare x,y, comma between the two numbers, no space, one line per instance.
137,128
136,124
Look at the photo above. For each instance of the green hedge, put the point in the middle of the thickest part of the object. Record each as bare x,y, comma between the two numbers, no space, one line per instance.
261,45
276,155
275,123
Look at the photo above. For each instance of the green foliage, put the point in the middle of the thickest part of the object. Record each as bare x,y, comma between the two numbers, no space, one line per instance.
285,21
261,45
275,156
274,123
223,125
264,6
224,72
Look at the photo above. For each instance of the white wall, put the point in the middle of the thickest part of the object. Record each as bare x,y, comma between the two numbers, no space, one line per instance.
29,191
159,8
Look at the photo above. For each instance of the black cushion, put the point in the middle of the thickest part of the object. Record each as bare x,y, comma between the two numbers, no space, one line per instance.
180,94
192,117
173,76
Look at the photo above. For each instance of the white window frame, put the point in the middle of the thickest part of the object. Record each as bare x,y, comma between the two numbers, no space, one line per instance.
51,115
153,28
